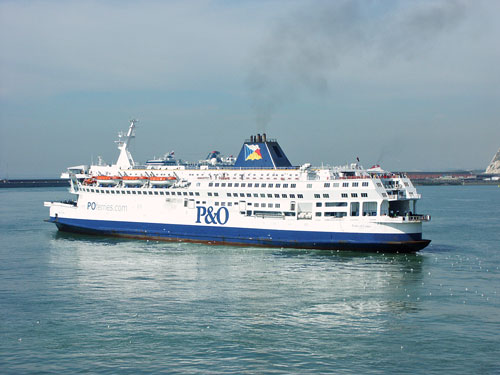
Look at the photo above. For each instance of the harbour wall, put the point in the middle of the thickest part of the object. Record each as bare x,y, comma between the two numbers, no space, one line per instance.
31,183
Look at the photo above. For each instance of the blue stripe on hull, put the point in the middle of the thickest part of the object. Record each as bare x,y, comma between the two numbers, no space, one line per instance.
247,236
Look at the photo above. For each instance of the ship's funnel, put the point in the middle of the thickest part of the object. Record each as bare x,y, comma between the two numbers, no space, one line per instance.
260,153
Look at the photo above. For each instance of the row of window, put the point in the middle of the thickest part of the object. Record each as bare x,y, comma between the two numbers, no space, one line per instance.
263,205
332,204
257,195
214,194
140,192
285,186
292,196
345,184
250,184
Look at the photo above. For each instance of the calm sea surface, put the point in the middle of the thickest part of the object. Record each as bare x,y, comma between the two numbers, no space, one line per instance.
78,304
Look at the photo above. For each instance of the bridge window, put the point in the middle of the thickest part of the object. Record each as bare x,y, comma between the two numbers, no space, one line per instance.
370,209
354,184
326,196
364,195
336,204
317,196
354,195
344,195
365,184
345,184
354,208
336,214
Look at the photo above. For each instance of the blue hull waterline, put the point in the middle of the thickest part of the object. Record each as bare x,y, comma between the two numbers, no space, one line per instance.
246,236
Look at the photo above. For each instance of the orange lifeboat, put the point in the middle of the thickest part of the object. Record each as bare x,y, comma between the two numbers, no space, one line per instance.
162,181
89,181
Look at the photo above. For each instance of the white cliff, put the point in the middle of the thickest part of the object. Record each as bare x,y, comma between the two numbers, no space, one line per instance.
494,166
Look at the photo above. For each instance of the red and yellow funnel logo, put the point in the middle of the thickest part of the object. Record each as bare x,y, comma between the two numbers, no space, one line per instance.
252,152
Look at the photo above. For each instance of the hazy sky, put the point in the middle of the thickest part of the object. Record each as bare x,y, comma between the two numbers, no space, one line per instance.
413,85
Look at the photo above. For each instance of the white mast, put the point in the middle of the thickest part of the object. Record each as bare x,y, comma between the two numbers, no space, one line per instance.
125,159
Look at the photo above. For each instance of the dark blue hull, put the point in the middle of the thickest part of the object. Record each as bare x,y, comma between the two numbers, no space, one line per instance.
246,236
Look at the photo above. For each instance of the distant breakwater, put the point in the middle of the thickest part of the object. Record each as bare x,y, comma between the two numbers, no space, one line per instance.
31,183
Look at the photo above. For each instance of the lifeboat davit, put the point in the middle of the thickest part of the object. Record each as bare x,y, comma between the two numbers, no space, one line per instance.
162,181
134,180
108,180
89,181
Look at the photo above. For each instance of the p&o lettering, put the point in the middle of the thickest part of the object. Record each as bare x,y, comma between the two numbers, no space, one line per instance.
210,216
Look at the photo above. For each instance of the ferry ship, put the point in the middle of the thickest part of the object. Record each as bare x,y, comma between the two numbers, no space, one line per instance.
260,200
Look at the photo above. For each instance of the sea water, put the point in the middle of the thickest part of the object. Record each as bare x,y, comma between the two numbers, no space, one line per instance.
83,304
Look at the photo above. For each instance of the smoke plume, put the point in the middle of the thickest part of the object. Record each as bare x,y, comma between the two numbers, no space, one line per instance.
305,48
